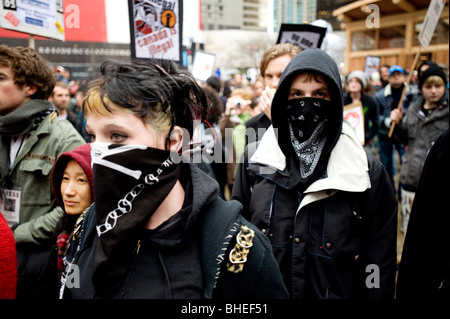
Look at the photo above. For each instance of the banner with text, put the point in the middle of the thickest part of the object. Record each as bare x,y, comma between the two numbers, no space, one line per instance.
305,36
156,29
37,17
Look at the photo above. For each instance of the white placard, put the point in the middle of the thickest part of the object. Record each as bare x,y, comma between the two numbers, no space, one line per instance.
203,65
156,29
354,115
37,17
431,21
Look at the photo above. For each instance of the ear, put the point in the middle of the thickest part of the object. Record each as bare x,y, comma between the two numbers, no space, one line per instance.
30,90
176,139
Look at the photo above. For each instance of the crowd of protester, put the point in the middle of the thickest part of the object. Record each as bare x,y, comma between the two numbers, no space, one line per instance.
272,196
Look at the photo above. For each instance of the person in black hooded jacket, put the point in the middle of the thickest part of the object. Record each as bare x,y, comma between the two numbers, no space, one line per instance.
158,228
328,209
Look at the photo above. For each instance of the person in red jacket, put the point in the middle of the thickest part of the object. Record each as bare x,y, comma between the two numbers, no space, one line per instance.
8,272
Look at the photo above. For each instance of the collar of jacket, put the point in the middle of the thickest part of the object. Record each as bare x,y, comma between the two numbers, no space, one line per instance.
44,128
388,89
347,169
441,109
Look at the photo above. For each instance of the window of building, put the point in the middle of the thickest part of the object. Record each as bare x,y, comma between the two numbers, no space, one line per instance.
393,37
363,40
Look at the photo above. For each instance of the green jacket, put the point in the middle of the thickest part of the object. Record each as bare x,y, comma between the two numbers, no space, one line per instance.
31,171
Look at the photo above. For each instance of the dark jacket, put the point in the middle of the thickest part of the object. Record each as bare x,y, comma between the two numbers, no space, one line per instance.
259,124
386,104
326,237
420,132
207,248
424,271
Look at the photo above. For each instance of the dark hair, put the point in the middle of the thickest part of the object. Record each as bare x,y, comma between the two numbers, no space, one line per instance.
28,68
215,105
156,90
215,83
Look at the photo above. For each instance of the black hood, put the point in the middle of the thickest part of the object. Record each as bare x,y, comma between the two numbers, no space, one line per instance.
316,61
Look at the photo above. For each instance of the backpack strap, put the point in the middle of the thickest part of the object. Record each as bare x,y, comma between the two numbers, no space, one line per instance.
220,224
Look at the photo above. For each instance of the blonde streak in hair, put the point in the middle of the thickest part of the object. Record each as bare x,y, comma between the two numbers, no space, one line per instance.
95,104
159,120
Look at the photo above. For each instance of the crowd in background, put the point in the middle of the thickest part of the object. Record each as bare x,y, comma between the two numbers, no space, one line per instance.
233,106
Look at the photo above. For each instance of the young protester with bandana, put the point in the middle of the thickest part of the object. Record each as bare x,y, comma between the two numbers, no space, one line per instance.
31,138
158,228
328,209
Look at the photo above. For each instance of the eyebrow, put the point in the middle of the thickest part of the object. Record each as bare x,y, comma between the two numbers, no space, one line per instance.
322,88
77,173
111,126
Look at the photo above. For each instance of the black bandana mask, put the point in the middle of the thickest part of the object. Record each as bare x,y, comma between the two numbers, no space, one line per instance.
130,183
307,121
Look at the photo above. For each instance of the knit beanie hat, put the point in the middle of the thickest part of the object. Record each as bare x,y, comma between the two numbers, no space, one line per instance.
433,70
360,75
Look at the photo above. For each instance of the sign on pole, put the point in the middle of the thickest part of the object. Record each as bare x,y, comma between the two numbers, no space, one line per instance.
156,29
36,17
305,36
431,19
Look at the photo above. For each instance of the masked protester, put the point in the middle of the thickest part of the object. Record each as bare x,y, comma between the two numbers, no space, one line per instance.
328,209
157,228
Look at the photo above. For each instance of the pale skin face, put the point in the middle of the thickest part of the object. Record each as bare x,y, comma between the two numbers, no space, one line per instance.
129,129
75,189
11,95
123,128
384,73
272,76
354,86
432,93
60,99
396,79
301,87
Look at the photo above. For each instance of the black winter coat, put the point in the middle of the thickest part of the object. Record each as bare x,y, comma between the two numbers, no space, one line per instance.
424,271
216,225
338,238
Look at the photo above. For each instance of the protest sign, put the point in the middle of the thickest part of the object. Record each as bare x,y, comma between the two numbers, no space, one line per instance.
303,35
156,29
36,17
354,115
203,65
431,19
371,65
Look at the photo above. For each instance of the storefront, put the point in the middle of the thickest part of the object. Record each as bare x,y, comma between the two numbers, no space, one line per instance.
389,29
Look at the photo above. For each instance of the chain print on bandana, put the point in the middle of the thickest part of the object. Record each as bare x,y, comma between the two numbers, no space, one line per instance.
125,205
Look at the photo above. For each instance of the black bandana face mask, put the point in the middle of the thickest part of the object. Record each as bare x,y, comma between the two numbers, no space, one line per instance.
130,183
307,121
